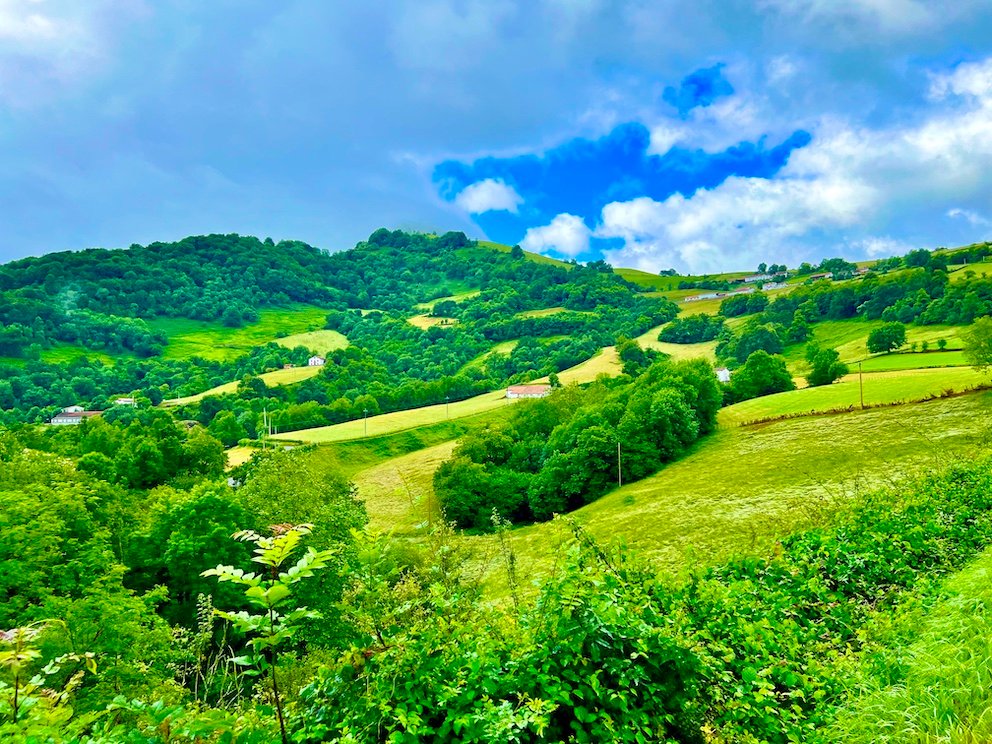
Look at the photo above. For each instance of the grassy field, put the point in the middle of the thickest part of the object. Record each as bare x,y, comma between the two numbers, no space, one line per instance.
321,342
66,353
678,352
388,423
938,687
535,257
879,388
504,347
399,493
958,272
189,338
428,306
428,321
272,379
239,456
604,362
540,313
914,360
741,487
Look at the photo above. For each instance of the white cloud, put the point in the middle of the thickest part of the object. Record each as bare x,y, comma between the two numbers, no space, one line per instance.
490,195
973,218
839,193
885,15
566,234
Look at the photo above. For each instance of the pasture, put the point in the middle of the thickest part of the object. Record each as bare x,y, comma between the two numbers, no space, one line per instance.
880,388
322,341
429,321
388,423
741,487
211,340
429,305
272,379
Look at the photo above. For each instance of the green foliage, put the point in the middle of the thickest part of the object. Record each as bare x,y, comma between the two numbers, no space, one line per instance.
561,452
762,374
978,343
888,337
272,626
824,366
592,659
692,329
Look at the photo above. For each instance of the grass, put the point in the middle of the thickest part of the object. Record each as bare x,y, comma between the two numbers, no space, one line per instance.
239,456
272,379
535,257
541,313
427,321
604,362
678,352
399,493
428,306
741,487
938,688
67,353
388,423
917,360
188,338
321,342
879,388
504,347
957,272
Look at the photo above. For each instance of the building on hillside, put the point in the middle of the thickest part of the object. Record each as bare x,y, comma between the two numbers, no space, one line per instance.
773,285
287,366
824,275
722,374
707,296
72,416
126,401
757,278
316,361
528,391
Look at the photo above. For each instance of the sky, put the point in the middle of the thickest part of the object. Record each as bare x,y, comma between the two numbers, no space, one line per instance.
699,135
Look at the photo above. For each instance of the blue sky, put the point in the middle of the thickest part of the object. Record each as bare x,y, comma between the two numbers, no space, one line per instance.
703,135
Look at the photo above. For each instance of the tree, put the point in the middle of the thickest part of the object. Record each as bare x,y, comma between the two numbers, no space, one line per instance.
269,592
824,366
978,343
226,428
887,338
762,374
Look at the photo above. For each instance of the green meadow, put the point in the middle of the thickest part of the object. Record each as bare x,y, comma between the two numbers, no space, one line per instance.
321,342
211,340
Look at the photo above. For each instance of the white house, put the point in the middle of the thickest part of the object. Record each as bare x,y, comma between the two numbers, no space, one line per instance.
316,361
722,374
528,391
125,402
72,416
757,278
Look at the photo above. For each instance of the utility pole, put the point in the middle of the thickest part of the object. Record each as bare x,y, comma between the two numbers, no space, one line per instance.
861,386
619,471
446,407
366,412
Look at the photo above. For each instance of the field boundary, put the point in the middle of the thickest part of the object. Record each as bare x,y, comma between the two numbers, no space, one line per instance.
854,407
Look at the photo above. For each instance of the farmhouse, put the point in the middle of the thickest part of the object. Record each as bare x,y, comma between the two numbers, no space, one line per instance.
127,401
316,361
72,416
757,278
722,374
824,275
528,391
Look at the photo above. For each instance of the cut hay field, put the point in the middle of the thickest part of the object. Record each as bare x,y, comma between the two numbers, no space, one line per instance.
504,347
879,388
322,342
239,456
429,321
678,352
604,362
272,379
188,338
399,493
741,487
388,423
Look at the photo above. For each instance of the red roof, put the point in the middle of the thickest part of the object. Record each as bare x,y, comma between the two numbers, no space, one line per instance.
528,389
